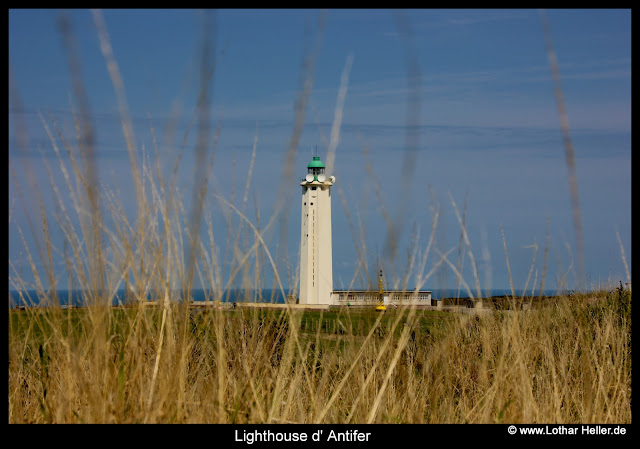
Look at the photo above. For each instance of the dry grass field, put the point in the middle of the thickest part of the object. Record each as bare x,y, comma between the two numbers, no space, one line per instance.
566,360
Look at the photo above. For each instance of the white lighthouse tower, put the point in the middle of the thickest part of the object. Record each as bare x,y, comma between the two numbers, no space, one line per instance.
316,267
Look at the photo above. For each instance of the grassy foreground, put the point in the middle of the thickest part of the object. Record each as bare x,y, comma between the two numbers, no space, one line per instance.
567,360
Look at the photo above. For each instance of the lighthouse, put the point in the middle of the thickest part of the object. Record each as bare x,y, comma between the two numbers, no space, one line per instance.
316,267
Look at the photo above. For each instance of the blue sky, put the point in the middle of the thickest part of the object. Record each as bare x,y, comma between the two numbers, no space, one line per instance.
484,129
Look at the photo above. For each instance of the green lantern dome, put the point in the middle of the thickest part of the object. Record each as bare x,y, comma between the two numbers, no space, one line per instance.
316,163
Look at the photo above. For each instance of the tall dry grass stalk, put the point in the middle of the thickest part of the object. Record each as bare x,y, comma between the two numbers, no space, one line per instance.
568,147
566,360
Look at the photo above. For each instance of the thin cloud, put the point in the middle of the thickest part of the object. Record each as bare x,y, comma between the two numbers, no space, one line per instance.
476,19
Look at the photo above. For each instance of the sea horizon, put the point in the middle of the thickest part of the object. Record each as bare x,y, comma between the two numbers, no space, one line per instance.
76,297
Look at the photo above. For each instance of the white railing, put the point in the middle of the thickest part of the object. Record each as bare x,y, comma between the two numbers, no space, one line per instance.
366,297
